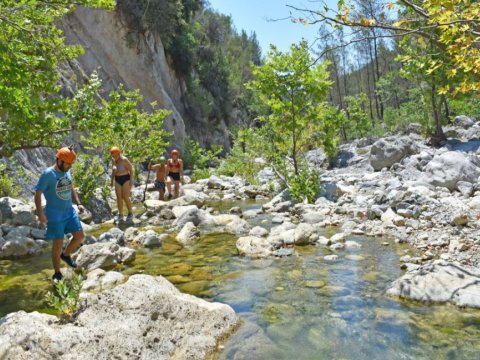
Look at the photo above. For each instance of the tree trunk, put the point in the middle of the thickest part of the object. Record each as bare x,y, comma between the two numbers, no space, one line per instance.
439,136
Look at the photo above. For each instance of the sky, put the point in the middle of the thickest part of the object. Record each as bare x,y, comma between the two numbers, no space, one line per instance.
257,15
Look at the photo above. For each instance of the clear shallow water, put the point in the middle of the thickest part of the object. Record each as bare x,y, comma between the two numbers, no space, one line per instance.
300,307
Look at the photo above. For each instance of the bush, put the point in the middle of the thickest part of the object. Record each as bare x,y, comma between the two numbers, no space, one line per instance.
240,163
197,158
7,187
65,298
87,174
306,185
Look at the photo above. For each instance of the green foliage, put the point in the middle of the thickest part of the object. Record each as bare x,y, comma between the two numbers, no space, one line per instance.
305,186
415,110
31,49
197,158
87,172
465,106
7,187
199,174
358,123
248,144
118,122
65,298
293,89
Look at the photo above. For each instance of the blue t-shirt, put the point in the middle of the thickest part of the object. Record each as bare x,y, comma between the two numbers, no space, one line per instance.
56,186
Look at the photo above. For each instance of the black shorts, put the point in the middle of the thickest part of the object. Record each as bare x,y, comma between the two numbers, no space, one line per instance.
122,179
159,185
174,175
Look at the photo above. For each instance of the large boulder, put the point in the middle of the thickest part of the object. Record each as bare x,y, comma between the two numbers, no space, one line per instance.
99,208
144,318
450,167
113,235
148,238
440,282
388,151
103,255
18,247
194,215
463,121
16,212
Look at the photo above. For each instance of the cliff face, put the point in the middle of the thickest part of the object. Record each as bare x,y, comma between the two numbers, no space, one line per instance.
137,60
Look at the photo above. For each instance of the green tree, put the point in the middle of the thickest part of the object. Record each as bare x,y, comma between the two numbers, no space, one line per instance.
118,121
293,87
358,123
31,49
448,31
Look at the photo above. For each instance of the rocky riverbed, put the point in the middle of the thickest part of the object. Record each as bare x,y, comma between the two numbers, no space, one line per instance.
394,188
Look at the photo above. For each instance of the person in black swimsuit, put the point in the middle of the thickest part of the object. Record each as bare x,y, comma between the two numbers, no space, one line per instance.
122,178
175,173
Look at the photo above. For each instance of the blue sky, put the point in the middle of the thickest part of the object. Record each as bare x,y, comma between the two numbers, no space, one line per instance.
254,15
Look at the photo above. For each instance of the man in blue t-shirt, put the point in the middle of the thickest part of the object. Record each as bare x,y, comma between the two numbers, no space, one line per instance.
55,184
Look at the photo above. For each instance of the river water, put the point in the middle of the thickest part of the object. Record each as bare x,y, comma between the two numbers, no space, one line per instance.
298,307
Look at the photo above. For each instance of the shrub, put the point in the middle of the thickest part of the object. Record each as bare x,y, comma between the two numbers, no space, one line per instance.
86,174
306,185
65,298
7,187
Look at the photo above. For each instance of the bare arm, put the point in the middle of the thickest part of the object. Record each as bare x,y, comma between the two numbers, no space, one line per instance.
181,169
113,172
38,204
130,170
76,200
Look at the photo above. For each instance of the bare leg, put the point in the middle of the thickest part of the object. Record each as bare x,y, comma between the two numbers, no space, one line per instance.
118,192
169,185
177,188
78,237
56,251
161,194
126,196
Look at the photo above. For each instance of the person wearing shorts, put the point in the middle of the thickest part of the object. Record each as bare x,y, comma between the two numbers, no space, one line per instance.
161,170
175,173
55,184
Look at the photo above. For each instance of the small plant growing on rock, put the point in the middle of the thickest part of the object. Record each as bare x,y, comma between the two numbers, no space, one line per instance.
65,298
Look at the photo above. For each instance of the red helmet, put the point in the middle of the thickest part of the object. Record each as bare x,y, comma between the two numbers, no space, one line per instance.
66,154
174,152
115,151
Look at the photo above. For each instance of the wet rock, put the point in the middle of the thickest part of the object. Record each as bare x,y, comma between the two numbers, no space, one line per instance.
238,227
254,246
113,235
18,247
148,238
188,233
258,231
191,214
103,255
440,282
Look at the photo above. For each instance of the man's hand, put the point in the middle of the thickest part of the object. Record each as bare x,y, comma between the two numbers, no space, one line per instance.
81,209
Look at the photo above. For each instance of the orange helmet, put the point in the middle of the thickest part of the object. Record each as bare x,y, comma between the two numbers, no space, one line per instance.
174,152
66,154
115,151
